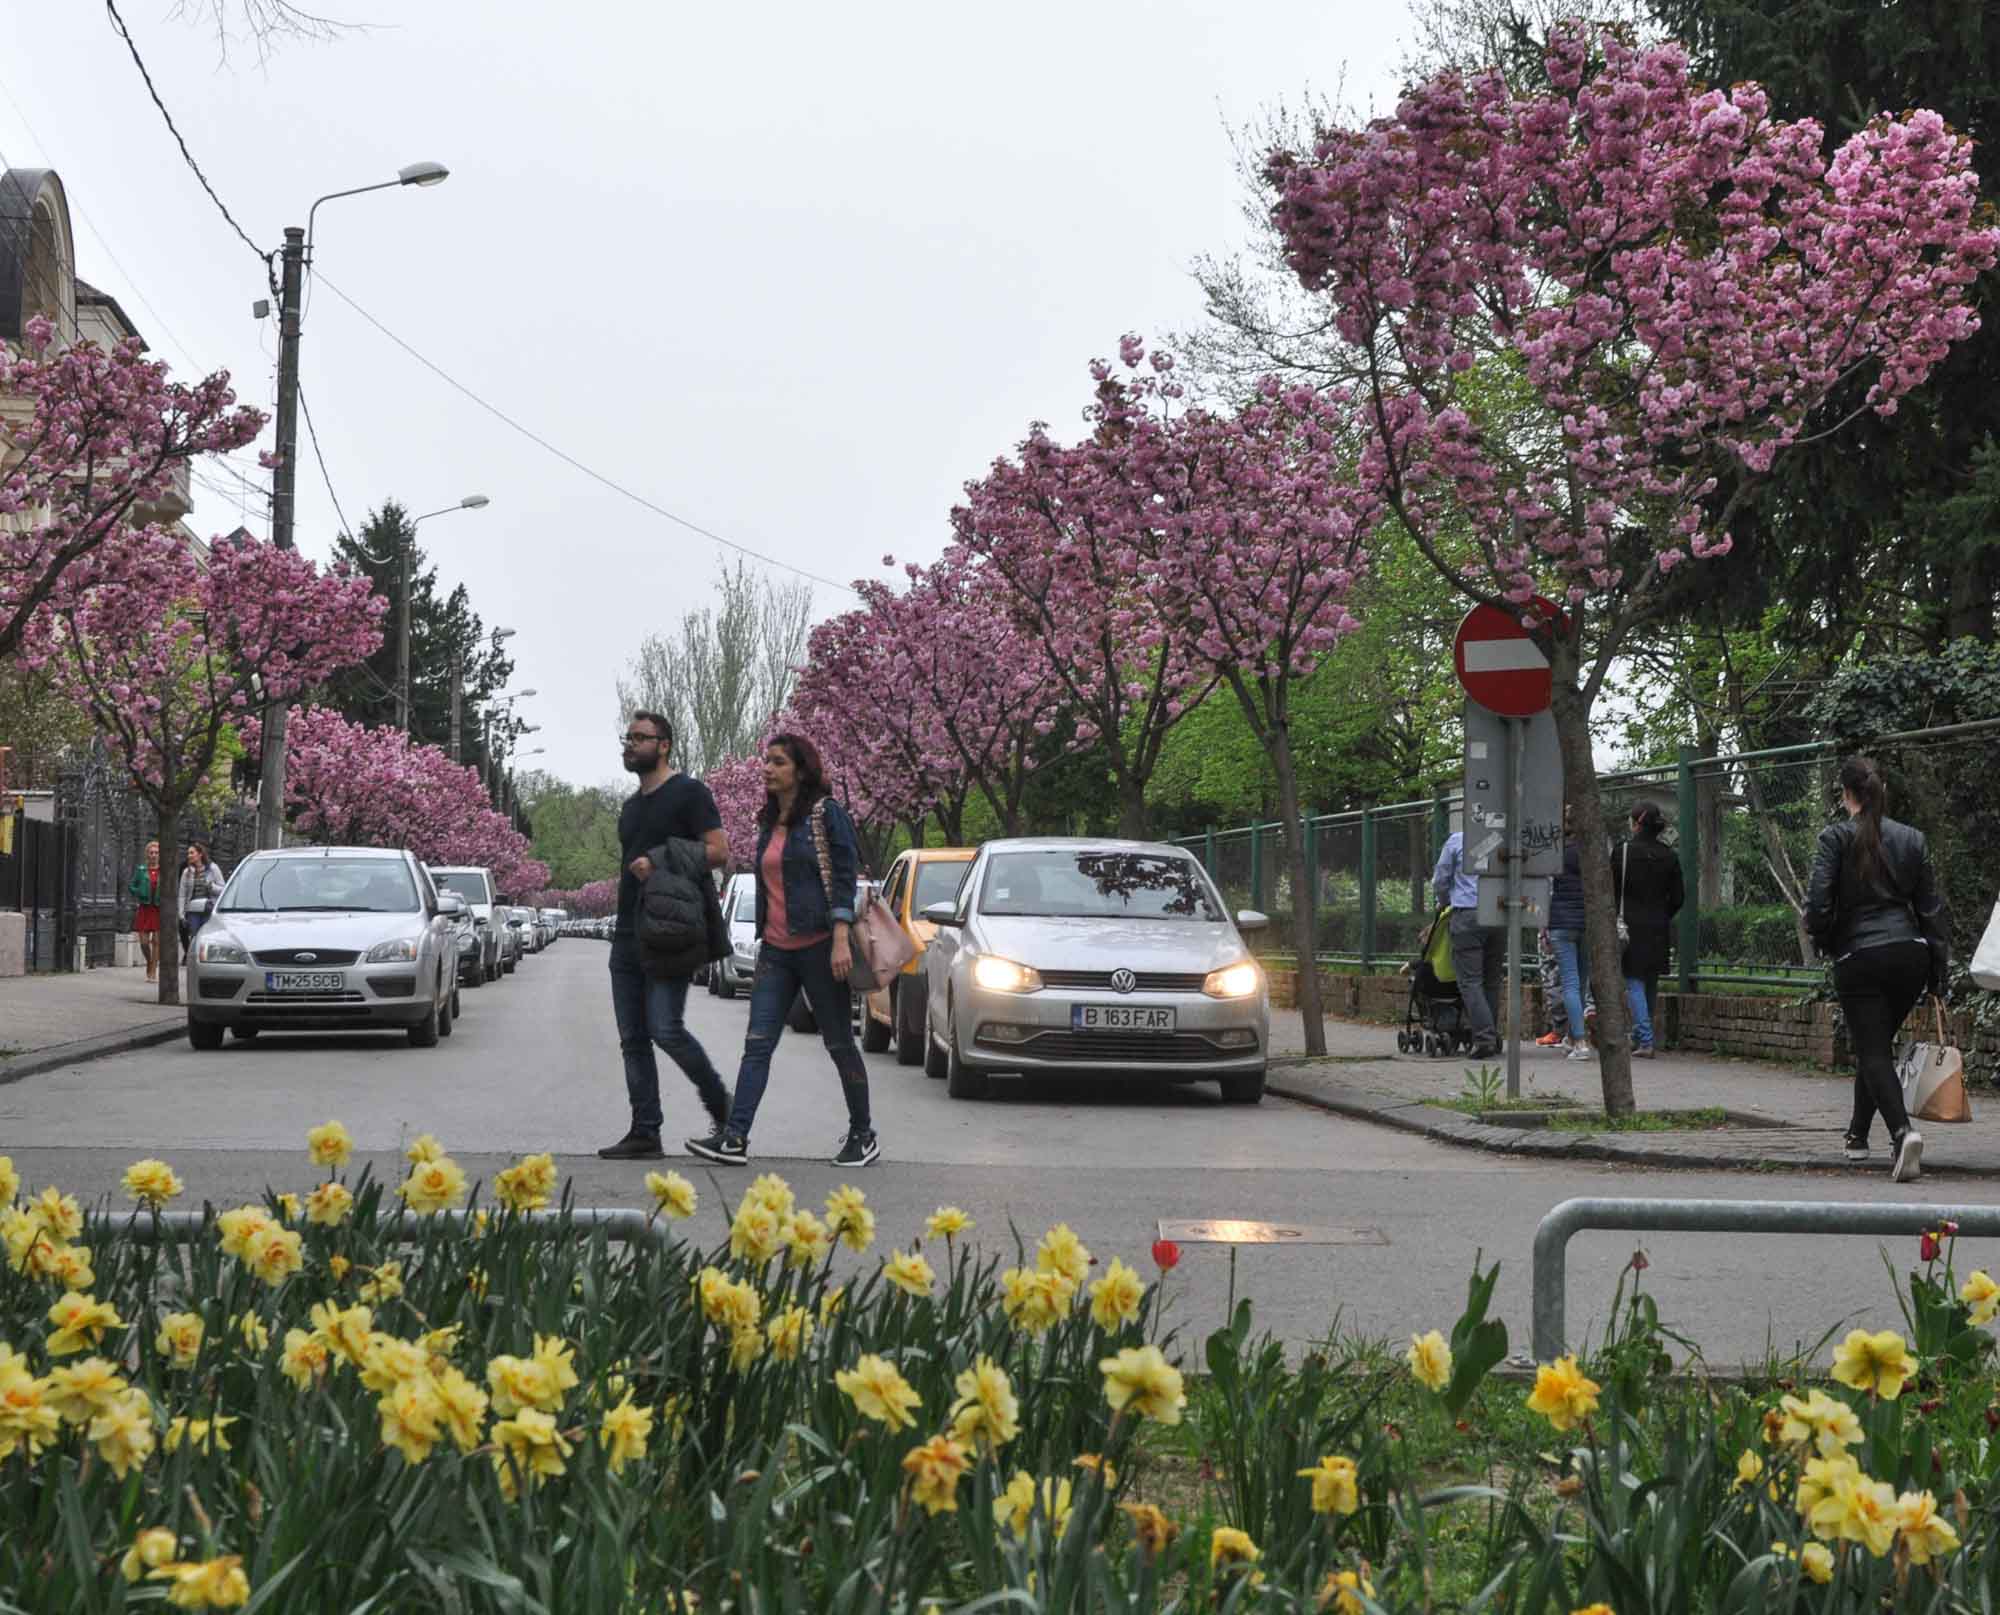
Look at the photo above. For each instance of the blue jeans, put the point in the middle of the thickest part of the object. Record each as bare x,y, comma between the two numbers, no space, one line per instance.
652,1012
1575,971
1639,993
782,973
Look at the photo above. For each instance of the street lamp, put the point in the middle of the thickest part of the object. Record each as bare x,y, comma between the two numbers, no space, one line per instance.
405,542
297,248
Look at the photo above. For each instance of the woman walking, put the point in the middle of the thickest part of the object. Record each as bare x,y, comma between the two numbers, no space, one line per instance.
1873,907
199,879
1566,938
145,893
807,857
1646,879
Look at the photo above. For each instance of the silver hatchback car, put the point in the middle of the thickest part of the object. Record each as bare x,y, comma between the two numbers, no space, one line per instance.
325,939
1063,953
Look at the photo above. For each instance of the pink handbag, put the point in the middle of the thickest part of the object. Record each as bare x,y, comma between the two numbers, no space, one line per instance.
880,947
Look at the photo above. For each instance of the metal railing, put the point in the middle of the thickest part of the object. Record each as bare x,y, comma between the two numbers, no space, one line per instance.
1552,1236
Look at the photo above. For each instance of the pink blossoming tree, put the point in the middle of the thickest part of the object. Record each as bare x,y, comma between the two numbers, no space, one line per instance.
738,787
1674,288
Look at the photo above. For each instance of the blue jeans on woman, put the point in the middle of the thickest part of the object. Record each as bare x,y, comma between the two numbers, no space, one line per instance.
782,974
1575,972
1640,993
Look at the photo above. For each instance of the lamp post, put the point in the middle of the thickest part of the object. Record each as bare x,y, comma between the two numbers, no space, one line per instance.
405,543
297,250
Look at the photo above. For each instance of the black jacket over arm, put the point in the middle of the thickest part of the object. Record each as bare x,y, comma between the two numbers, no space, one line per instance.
680,924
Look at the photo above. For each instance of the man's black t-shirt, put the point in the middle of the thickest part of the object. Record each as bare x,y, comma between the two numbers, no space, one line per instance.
680,808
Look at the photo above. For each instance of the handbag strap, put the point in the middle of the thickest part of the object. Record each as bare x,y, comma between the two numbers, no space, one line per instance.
1937,1009
820,846
1624,875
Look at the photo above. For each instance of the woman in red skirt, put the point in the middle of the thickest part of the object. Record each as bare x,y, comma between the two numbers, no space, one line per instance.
145,890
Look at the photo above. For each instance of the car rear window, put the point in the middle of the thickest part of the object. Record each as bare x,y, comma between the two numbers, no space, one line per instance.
470,884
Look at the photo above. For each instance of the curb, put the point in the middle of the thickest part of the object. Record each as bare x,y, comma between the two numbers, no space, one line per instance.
1447,1127
54,1057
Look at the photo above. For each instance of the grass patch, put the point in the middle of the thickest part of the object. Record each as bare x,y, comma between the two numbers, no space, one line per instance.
1645,1121
1466,1105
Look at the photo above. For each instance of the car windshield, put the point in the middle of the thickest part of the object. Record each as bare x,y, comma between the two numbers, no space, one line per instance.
1097,885
938,883
470,884
743,901
325,885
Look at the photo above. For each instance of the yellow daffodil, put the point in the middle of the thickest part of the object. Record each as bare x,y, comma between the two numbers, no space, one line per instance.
1060,1251
1926,1534
205,1584
476,1280
78,1323
423,1150
1816,1560
623,1434
1562,1394
1430,1360
151,1183
1980,1293
60,1217
411,1413
328,1144
237,1226
528,1446
1877,1363
947,1222
1826,1421
1749,1470
433,1185
848,1216
909,1272
1115,1299
527,1184
304,1359
204,1435
274,1254
83,1390
28,1418
1014,1508
1856,1509
30,1246
935,1468
771,1190
1821,1478
69,1266
288,1207
389,1362
521,1382
789,1332
878,1391
1231,1549
1036,1300
831,1303
1335,1489
672,1194
181,1340
150,1549
756,1233
251,1328
1095,1464
1154,1531
1593,1609
347,1333
10,1181
808,1241
1140,1378
1343,1590
987,1415
124,1431
746,1345
558,1356
384,1283
464,1407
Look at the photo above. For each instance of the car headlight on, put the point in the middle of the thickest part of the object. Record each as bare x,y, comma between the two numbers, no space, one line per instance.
1240,980
397,949
1004,976
220,951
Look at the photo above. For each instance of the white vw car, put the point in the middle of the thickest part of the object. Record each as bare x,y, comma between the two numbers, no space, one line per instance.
1068,954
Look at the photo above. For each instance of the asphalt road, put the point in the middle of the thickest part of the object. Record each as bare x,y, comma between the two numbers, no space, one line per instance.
534,1065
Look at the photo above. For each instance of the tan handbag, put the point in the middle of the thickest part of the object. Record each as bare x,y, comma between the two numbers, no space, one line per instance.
878,945
1933,1078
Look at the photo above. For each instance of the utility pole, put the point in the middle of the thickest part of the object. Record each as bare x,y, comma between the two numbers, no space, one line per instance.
271,770
457,701
403,542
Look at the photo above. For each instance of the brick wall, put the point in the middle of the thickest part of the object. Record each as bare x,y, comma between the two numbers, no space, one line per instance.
1704,1023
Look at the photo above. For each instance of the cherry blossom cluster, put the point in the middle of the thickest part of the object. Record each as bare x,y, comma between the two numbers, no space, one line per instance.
738,787
594,900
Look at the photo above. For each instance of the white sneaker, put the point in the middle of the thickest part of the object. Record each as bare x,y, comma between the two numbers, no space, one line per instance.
1580,1051
1909,1164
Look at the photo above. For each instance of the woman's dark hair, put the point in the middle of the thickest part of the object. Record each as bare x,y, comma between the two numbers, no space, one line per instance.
812,779
1861,779
1650,820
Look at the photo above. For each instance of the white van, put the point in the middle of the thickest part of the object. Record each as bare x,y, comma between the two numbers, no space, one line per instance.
476,887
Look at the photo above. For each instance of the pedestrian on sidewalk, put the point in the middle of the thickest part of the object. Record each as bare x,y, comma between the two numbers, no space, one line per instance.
1646,883
1566,936
1478,952
145,893
667,806
1873,907
807,858
200,878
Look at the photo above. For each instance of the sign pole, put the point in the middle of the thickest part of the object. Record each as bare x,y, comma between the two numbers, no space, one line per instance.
1517,807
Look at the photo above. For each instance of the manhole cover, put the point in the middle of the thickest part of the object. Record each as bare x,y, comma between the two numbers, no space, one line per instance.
1233,1231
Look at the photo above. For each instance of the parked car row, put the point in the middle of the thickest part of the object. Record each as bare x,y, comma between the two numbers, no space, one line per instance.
351,938
1100,957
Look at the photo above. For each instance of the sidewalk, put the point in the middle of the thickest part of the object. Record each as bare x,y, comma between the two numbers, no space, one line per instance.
54,1020
1363,1076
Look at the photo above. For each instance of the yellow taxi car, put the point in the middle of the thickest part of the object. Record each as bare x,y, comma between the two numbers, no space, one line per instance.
919,877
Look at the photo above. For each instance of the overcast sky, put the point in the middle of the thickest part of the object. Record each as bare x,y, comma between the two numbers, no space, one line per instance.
793,272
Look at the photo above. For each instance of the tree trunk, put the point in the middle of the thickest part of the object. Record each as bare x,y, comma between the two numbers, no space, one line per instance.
1132,808
1600,908
172,856
1305,916
916,829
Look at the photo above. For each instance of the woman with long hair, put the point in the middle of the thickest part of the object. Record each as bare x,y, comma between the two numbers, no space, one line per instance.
802,924
1873,907
145,893
1646,882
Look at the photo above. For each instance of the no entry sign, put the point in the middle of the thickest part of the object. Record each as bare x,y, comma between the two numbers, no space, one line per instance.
1501,667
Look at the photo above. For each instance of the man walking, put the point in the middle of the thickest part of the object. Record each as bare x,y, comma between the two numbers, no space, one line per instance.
1478,952
668,805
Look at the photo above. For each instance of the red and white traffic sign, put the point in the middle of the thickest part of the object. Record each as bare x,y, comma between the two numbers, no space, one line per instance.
1499,663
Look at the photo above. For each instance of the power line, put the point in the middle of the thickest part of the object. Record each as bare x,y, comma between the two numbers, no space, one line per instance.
306,410
138,61
570,459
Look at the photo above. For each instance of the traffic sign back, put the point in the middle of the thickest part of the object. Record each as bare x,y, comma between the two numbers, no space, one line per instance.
1499,663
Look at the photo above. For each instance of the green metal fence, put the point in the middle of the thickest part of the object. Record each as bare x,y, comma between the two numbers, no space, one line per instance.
1745,825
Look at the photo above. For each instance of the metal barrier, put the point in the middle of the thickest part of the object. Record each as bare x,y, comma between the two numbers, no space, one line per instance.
1719,1217
620,1225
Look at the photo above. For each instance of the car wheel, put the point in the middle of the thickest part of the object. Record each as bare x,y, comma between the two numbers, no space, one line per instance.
447,1014
1246,1088
801,1017
934,1058
425,1034
909,1019
245,1034
874,1033
205,1035
961,1081
724,987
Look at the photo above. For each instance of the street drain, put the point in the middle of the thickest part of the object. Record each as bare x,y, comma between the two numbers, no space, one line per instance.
1232,1231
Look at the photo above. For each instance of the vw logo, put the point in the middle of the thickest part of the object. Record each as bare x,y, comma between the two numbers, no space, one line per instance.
305,958
1123,981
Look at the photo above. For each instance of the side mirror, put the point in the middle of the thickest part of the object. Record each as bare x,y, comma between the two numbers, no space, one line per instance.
452,904
941,914
1248,919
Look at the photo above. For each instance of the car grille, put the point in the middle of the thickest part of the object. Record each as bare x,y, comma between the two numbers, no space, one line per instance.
1142,1048
320,956
347,997
1149,981
394,986
211,988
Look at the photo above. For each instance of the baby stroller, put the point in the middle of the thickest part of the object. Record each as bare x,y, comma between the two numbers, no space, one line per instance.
1435,1020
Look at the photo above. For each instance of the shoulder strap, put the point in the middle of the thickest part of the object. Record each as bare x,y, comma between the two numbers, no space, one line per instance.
1624,875
820,846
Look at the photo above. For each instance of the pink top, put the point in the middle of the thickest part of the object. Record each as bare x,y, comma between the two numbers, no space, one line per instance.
772,873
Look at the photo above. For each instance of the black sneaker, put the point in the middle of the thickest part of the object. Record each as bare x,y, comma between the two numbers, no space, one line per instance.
722,1146
634,1146
719,1111
1855,1149
858,1149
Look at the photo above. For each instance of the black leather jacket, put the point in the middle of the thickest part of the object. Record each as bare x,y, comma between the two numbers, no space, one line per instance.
1842,915
679,921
